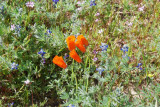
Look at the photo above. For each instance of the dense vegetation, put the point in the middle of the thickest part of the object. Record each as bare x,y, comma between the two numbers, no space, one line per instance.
119,68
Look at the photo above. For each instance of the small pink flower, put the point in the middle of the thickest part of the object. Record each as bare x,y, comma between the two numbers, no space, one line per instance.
97,14
12,27
100,31
130,24
79,9
30,4
95,59
96,20
78,2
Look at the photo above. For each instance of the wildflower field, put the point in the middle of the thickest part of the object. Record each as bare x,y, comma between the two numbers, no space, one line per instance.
79,53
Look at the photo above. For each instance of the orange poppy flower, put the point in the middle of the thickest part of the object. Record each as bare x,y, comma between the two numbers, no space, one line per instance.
73,54
71,42
83,39
59,61
80,46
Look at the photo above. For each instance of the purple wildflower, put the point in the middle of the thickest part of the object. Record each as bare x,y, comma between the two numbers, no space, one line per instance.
95,59
55,1
43,60
139,66
92,3
66,56
95,52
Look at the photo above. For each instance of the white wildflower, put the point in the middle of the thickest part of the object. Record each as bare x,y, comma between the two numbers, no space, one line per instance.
27,82
30,4
141,9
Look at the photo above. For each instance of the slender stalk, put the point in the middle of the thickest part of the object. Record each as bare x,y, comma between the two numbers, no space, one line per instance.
74,76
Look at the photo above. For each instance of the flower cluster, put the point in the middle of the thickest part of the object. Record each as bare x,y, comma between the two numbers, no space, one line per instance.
80,44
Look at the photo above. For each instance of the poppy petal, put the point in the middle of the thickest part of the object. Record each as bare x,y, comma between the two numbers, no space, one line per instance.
80,46
83,39
71,42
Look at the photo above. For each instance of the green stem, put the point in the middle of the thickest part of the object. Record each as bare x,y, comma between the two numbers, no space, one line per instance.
73,75
87,78
19,90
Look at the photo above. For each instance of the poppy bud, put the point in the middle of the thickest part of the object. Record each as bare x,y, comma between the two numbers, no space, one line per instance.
73,54
59,61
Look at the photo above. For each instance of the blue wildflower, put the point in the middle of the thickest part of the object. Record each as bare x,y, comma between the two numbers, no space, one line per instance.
139,66
55,1
76,36
41,52
125,55
48,32
2,9
124,48
104,46
66,56
100,70
71,105
17,28
92,3
10,104
14,66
